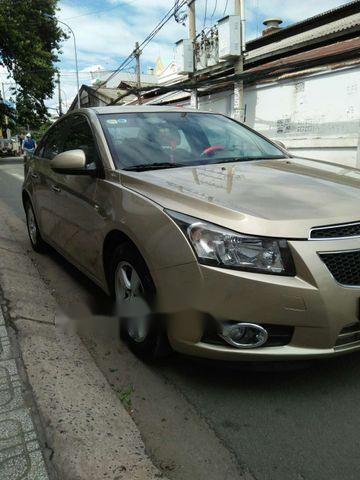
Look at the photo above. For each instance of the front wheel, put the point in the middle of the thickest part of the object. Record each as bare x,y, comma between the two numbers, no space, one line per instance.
134,293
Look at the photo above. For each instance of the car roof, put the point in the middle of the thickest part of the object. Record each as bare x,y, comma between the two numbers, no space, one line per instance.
141,109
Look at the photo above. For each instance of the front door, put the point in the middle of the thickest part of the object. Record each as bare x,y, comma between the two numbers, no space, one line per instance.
74,207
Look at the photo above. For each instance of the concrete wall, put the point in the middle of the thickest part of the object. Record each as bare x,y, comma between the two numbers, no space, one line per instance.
317,116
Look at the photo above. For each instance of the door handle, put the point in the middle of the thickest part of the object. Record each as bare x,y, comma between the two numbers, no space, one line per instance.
34,175
55,188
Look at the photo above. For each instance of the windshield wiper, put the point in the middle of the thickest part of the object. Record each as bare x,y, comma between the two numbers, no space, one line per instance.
245,159
153,166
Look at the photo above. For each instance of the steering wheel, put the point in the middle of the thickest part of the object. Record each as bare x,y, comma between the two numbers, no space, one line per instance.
211,150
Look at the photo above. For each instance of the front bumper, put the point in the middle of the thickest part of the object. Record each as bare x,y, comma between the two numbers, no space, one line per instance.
312,302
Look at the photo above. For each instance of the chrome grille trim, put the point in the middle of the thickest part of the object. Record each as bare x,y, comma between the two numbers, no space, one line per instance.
347,346
334,227
349,336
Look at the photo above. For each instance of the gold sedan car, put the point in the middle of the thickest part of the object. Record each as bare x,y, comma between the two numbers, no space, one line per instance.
213,240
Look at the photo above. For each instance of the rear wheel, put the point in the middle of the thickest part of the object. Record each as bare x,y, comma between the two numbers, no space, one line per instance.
36,240
134,293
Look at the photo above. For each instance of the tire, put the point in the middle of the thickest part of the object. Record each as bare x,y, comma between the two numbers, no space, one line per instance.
36,240
153,343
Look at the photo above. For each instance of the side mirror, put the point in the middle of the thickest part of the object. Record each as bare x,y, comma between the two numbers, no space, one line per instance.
72,162
281,144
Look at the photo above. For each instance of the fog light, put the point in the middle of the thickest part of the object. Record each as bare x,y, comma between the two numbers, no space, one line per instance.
244,335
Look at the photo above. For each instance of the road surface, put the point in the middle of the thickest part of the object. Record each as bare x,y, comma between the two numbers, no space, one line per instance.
205,420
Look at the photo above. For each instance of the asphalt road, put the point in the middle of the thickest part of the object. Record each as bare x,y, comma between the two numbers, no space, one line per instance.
210,421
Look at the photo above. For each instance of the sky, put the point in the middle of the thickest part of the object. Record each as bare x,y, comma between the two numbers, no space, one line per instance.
106,30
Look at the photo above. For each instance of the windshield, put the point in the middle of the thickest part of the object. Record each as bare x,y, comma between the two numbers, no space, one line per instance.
170,139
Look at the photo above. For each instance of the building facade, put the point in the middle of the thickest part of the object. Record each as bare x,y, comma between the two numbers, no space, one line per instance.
312,105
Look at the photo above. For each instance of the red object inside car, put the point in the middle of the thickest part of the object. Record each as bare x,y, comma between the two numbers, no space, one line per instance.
212,149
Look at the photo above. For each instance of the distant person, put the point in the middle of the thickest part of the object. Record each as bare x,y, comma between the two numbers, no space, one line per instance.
20,142
28,145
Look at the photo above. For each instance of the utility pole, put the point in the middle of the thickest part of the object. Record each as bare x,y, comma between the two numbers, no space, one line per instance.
239,110
59,90
8,133
137,53
192,37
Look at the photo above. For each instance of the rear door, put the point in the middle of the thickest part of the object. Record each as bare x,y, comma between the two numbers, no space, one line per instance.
74,207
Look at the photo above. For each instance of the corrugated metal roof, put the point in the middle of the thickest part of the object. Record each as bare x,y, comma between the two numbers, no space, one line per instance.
315,33
111,93
168,97
130,77
320,52
322,18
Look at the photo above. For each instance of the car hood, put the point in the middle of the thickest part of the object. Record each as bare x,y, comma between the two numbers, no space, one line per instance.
281,198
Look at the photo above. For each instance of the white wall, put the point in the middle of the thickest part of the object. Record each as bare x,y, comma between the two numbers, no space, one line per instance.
218,102
317,116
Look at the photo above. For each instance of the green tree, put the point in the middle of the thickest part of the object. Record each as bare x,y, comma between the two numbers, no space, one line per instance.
29,47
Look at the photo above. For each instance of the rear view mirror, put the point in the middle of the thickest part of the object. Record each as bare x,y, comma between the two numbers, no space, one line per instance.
72,162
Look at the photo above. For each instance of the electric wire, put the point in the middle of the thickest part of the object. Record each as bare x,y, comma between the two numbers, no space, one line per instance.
257,15
213,13
123,4
226,5
147,40
179,17
205,13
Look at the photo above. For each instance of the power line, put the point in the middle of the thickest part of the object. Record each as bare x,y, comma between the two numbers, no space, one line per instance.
226,5
124,4
213,13
161,24
148,39
257,14
205,13
179,17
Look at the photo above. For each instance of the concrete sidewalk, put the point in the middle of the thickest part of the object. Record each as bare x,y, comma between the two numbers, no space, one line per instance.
87,432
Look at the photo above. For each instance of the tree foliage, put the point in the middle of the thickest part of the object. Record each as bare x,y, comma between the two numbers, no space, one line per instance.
29,47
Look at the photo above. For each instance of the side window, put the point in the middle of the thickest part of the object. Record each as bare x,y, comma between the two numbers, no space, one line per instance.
52,145
39,150
79,136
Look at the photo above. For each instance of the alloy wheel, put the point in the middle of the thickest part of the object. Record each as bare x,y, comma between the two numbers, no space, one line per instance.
31,223
130,302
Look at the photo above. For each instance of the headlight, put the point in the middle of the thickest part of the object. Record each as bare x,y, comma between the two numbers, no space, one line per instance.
224,248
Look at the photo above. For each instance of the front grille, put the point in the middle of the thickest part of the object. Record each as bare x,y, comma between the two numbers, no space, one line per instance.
336,231
278,335
344,266
349,334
